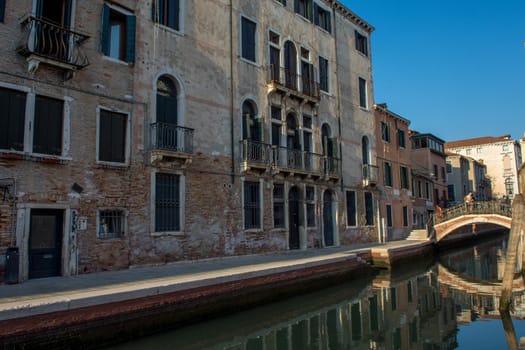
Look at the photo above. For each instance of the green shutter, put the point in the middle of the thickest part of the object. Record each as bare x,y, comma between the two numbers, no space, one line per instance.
260,129
104,35
174,12
316,13
333,147
130,38
246,126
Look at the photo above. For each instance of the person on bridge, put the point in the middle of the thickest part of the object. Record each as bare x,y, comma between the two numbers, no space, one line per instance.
469,200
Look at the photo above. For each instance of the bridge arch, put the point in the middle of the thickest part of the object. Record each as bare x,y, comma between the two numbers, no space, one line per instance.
486,212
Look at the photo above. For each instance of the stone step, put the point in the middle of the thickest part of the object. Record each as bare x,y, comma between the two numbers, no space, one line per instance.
418,235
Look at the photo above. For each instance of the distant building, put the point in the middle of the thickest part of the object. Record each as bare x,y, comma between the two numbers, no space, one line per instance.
393,158
429,178
502,157
465,174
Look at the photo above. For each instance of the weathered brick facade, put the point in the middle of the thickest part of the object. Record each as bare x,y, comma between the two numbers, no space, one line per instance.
202,56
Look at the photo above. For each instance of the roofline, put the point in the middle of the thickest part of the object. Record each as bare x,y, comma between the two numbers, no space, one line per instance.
428,134
352,16
395,115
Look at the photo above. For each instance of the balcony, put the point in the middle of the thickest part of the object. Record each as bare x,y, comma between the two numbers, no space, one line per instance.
288,82
51,44
370,175
170,144
264,157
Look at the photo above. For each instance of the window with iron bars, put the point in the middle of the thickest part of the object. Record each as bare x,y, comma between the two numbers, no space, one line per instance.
112,223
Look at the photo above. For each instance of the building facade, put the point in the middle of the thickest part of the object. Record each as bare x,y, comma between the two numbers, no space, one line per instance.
145,132
429,178
394,160
464,175
502,157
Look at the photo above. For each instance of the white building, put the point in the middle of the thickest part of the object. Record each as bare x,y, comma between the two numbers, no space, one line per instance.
502,157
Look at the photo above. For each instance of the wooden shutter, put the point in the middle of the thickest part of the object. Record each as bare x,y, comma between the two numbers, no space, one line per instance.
47,130
316,13
333,147
259,123
130,38
104,136
12,120
174,13
118,137
105,35
329,22
2,10
297,6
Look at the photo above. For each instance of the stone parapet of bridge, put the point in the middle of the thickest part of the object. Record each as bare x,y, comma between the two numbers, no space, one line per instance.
490,212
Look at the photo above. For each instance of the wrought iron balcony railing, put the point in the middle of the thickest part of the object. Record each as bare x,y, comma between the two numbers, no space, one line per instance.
370,174
53,42
259,154
170,137
290,80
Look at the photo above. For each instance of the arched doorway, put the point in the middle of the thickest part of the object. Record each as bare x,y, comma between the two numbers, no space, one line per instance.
166,115
328,218
294,219
252,126
290,65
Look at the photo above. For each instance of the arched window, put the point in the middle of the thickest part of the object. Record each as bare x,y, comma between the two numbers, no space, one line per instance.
290,65
252,128
329,143
167,106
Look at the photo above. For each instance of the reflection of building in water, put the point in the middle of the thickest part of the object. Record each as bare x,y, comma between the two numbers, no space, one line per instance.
397,312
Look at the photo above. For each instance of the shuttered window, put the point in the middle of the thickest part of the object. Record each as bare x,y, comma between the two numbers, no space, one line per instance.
2,10
361,43
369,209
118,34
167,203
12,119
48,126
167,13
322,18
351,208
252,205
362,93
112,137
323,74
249,39
278,206
388,174
304,8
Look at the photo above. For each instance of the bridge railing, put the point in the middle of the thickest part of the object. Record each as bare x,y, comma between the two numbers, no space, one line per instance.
475,208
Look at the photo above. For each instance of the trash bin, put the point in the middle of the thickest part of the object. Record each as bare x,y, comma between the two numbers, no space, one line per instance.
11,265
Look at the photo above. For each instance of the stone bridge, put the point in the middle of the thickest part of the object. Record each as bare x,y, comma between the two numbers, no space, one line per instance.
479,212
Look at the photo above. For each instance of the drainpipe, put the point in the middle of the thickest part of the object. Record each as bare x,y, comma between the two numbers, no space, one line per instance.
338,96
232,122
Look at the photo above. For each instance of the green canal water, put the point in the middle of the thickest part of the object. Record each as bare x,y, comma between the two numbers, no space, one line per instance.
448,304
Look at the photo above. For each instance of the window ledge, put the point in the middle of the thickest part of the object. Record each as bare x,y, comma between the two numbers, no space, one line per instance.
307,20
253,230
168,234
115,166
35,157
245,60
169,29
116,60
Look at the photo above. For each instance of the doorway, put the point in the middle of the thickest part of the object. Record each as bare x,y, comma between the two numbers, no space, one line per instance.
45,243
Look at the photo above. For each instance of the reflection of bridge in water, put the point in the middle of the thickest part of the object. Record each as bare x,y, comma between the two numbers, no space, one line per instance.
482,212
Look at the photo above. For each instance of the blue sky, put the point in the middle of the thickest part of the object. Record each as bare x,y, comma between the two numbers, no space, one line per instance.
455,68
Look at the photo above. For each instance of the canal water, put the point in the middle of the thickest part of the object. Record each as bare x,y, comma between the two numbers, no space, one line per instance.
448,304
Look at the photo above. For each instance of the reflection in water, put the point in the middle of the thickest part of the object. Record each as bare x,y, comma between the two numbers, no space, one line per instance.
423,309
